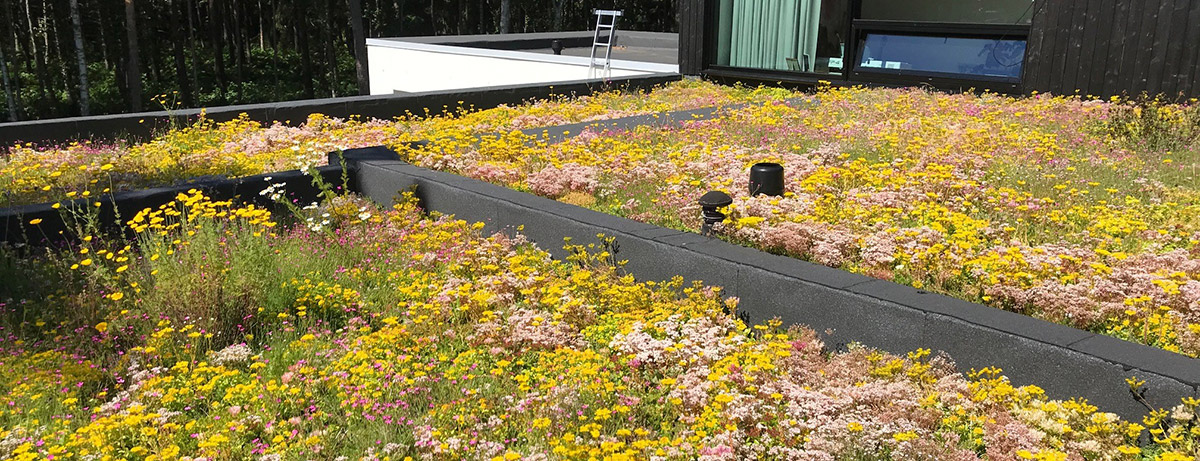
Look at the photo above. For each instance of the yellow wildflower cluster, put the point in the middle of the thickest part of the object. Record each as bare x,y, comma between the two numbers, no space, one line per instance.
241,147
414,337
1043,205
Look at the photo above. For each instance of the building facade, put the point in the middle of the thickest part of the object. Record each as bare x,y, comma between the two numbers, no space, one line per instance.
1093,47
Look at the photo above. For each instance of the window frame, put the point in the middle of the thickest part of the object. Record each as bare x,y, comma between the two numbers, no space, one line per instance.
861,27
711,11
852,73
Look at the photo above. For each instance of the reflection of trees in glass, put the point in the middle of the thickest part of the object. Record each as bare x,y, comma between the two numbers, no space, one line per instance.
999,58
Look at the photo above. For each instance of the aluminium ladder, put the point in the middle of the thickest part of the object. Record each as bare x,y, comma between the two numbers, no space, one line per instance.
605,42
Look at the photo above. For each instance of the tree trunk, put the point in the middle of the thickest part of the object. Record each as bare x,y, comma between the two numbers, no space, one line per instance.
8,90
12,84
80,59
474,14
133,70
433,29
360,46
177,43
331,50
262,26
192,24
39,60
505,16
218,41
239,44
306,70
64,67
103,39
559,10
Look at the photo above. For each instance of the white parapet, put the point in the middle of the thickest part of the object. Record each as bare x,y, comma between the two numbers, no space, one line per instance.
398,66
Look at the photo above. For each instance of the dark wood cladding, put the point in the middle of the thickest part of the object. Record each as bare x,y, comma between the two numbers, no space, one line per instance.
1114,47
691,36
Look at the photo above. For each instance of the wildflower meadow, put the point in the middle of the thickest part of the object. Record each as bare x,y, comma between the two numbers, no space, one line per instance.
1079,212
216,334
340,329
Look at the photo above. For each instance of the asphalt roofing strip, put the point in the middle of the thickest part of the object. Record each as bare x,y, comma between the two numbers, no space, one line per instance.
560,133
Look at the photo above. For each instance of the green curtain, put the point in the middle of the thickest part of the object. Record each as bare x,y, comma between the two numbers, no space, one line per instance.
762,34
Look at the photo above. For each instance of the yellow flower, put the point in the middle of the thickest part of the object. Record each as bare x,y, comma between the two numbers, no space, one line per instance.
116,296
102,327
1126,449
36,221
86,262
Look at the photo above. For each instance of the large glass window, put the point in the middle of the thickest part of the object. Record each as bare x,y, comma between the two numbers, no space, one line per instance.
965,11
957,56
795,35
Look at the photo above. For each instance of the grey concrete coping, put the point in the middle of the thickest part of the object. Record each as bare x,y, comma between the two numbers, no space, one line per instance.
845,307
144,124
525,41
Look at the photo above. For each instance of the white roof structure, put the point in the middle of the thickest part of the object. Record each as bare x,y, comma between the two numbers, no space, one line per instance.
415,65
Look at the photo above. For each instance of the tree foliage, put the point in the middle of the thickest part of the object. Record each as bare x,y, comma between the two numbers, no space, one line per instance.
193,53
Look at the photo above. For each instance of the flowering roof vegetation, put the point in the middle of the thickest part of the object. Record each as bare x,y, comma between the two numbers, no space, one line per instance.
224,332
1079,212
220,334
31,173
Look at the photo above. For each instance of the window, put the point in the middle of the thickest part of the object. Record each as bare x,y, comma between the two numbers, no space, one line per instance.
993,58
958,11
788,35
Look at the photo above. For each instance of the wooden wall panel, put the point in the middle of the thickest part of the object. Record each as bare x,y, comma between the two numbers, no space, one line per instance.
1099,26
1186,79
1119,45
1159,47
1107,47
1033,49
691,36
1175,47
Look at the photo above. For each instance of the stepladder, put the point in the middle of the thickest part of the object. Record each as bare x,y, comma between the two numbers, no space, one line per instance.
602,40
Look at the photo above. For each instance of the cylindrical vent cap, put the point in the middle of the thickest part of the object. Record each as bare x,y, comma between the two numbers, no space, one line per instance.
767,179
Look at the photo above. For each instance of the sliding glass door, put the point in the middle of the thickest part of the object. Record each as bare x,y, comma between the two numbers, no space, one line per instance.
788,35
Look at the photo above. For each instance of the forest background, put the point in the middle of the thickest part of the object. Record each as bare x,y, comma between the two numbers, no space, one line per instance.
62,58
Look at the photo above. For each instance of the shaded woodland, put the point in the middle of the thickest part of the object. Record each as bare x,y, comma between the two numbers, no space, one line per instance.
61,58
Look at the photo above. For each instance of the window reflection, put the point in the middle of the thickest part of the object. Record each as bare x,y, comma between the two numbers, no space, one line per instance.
997,58
795,35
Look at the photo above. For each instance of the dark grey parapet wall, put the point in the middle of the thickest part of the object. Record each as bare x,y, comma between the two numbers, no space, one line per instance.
1064,361
542,40
57,226
141,125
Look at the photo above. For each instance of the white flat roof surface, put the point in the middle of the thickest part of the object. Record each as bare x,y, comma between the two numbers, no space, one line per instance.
410,67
